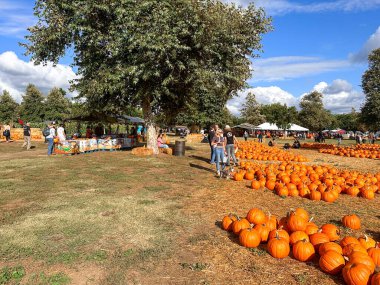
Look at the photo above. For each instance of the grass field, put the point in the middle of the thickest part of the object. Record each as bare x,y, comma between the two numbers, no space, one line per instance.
114,218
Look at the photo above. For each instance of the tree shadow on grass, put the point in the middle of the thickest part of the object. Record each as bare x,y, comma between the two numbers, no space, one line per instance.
201,158
201,167
373,234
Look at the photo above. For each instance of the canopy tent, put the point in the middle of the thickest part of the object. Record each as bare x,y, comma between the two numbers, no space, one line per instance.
131,119
245,126
273,127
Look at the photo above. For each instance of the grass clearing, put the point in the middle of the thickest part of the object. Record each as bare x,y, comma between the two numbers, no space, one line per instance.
113,218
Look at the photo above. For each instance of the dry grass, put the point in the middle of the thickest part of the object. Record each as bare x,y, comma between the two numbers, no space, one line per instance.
114,218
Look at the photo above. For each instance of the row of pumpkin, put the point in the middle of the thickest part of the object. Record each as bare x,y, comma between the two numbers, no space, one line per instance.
315,182
355,258
371,151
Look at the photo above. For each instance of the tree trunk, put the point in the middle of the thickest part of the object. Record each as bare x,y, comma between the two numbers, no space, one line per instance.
151,134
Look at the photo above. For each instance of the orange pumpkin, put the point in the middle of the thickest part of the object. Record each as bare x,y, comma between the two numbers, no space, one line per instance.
331,262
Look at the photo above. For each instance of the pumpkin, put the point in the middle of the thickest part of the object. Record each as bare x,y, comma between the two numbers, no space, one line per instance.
297,236
271,222
315,195
263,231
311,228
256,216
348,240
249,238
318,238
303,250
356,274
374,253
363,258
227,222
280,233
331,231
351,221
367,242
240,224
270,184
296,222
302,213
278,247
255,185
331,262
330,246
353,247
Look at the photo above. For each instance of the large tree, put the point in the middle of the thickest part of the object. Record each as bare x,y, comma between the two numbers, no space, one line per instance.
32,106
8,108
280,114
349,121
158,54
370,112
313,115
251,110
57,107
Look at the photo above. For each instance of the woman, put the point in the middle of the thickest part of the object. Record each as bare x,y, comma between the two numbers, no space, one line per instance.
219,143
61,133
230,144
7,133
160,142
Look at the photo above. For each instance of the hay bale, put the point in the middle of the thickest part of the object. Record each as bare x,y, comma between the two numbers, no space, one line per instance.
142,151
194,138
166,151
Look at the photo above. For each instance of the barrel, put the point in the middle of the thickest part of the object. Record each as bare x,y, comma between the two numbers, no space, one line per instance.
179,149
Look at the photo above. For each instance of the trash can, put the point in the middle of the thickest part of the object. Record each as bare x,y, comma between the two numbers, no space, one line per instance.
179,149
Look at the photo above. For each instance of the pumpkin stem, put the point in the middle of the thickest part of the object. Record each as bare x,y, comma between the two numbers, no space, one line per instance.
311,219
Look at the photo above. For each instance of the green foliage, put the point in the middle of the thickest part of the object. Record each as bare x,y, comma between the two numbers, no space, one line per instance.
9,274
370,112
281,115
57,107
32,106
8,108
313,115
157,54
251,111
349,121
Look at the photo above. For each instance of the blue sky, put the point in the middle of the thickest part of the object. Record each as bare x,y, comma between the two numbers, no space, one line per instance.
315,45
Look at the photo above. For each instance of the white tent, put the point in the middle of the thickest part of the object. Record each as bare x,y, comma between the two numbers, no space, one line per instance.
267,127
273,127
297,128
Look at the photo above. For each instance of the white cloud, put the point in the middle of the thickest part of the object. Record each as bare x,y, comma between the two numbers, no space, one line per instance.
276,7
371,44
16,74
264,95
339,96
287,67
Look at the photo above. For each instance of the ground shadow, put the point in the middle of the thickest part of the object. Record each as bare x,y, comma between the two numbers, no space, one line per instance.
201,167
200,158
373,234
336,222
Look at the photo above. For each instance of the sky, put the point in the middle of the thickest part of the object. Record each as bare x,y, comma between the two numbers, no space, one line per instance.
314,45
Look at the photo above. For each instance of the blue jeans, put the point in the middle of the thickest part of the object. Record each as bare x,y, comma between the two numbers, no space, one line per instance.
212,154
219,155
230,149
50,146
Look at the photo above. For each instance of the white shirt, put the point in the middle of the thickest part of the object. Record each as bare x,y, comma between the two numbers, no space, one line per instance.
61,134
52,134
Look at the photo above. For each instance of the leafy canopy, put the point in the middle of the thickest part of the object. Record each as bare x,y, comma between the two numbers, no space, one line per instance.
8,108
158,54
371,87
279,114
57,107
33,107
251,110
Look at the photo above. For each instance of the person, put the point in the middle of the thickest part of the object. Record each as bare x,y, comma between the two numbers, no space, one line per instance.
219,143
230,144
7,133
50,139
88,132
160,141
286,146
211,135
245,135
61,133
99,130
260,137
339,138
296,143
27,133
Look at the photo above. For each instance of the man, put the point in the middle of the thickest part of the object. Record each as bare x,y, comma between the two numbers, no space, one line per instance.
27,133
50,139
211,135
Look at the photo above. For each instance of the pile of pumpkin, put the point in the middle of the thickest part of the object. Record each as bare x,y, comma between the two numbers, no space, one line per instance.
357,151
355,258
259,151
314,182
